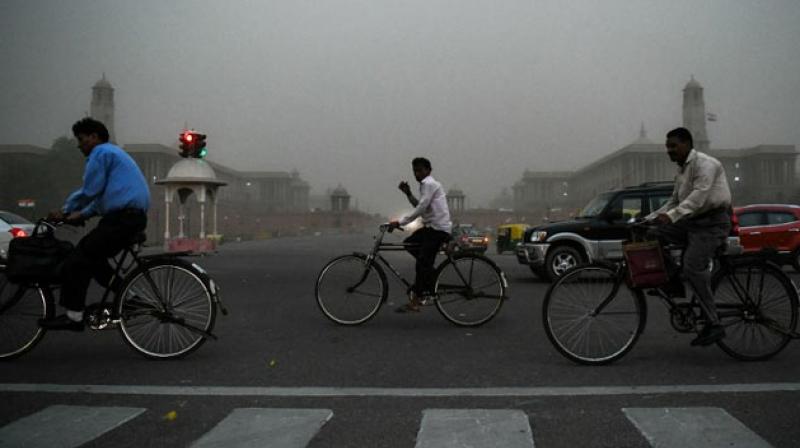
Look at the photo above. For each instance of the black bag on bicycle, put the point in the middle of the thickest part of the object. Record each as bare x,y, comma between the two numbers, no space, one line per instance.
37,258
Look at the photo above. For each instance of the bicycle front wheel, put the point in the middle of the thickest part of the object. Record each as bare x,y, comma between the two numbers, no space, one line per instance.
349,291
591,317
166,309
757,305
21,307
469,290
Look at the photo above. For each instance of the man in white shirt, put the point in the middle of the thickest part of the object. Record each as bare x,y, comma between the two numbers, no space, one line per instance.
698,216
432,207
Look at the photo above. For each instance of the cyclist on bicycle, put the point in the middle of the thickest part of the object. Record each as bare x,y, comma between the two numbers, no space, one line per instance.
432,206
697,216
113,188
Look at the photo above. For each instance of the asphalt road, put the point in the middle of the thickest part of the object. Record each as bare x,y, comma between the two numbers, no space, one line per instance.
276,345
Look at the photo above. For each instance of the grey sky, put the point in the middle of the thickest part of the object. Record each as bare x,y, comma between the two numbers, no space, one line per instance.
349,91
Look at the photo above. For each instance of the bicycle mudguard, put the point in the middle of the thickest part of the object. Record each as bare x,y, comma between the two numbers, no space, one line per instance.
185,253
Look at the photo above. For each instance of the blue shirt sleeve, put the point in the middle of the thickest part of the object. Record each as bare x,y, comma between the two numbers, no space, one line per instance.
90,210
94,182
72,203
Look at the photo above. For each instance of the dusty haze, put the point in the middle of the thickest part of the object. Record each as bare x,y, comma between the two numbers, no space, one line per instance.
349,91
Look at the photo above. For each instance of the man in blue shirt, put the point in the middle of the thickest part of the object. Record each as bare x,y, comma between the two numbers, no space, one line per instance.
115,189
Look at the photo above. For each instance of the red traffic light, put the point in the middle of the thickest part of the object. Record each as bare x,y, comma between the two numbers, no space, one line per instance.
192,144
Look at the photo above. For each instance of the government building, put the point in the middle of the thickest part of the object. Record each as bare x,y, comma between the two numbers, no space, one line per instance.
760,174
251,204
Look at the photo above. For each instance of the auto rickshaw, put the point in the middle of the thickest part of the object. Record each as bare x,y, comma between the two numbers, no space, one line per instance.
508,235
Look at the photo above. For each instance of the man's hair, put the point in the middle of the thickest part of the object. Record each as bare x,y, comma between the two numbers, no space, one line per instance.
683,135
90,126
421,161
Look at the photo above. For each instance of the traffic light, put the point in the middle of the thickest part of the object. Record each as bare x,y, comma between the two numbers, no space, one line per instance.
186,143
200,149
192,144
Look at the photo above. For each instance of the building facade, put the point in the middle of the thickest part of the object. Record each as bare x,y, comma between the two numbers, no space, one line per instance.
31,175
759,174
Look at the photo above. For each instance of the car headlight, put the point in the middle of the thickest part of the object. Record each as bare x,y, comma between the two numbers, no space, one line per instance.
538,236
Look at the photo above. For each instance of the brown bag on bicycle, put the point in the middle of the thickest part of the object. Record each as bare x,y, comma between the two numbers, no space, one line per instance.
37,258
645,261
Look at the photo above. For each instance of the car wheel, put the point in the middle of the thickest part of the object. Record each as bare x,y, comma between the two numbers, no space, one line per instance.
561,259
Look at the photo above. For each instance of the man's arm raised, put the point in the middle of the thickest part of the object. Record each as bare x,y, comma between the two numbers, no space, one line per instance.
407,190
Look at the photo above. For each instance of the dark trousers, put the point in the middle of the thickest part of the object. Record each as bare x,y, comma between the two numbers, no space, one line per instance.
429,241
702,237
113,233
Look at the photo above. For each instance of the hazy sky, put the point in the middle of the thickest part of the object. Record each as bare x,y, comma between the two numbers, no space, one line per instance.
349,91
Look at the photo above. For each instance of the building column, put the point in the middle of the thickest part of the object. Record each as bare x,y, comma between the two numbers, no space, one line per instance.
214,199
202,220
167,200
181,219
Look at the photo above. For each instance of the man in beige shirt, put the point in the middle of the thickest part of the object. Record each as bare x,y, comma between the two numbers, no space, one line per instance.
698,216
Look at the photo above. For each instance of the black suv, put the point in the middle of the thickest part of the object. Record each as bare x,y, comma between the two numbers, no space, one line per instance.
596,234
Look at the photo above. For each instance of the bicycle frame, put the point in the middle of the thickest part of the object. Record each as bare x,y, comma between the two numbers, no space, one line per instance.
375,256
121,269
724,310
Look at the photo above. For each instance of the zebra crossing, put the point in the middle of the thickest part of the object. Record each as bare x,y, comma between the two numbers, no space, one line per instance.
71,426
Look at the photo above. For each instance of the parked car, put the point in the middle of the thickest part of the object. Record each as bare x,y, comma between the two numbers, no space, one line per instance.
469,239
596,234
12,226
771,226
509,235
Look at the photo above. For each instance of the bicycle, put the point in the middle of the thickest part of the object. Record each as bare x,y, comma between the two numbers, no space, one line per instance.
165,307
592,315
469,288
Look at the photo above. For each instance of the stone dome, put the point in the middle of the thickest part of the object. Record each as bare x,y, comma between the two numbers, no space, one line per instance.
693,84
102,83
339,191
191,171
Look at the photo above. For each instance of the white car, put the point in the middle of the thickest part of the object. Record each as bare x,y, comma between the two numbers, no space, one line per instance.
12,226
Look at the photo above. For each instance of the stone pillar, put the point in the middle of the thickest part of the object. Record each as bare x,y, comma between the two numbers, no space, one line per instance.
202,220
167,201
214,199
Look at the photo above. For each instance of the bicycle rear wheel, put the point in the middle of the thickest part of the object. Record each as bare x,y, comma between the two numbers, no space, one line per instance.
166,309
349,291
580,328
469,290
757,304
21,307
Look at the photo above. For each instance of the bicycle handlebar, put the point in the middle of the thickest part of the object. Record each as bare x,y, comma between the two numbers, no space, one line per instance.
387,227
52,224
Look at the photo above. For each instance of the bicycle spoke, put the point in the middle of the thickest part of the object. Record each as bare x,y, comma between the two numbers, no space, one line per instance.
753,331
348,291
460,300
156,297
588,318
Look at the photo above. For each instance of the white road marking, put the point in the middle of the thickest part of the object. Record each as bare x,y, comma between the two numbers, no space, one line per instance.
64,426
688,427
474,428
262,427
